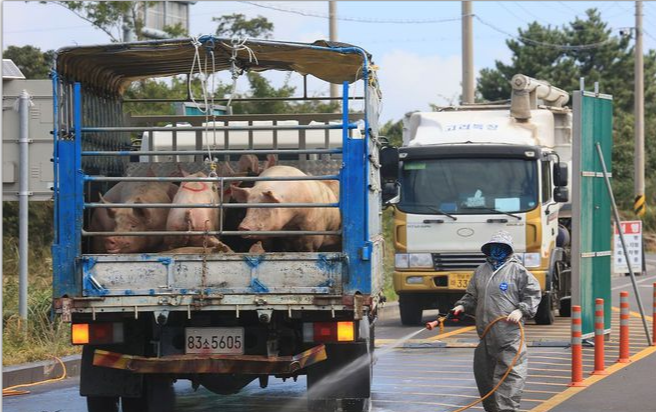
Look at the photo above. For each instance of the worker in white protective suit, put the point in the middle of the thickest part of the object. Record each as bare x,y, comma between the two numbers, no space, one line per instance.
500,287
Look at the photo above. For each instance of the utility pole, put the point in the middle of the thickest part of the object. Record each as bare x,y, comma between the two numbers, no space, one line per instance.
467,54
332,28
639,204
23,201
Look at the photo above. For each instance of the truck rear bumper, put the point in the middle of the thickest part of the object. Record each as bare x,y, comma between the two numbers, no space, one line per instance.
192,364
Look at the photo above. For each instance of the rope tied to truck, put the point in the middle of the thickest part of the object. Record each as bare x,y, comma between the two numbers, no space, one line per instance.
236,45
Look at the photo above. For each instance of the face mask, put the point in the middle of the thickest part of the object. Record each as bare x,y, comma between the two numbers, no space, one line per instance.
498,255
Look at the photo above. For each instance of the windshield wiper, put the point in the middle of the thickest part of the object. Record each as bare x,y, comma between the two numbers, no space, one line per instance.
442,212
496,211
436,210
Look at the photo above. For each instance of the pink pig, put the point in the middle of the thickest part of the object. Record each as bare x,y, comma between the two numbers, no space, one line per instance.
131,219
273,219
196,219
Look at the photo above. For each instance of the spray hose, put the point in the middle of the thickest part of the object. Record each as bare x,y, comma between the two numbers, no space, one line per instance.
440,322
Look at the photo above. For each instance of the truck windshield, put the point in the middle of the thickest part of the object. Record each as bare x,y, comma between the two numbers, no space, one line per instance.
468,186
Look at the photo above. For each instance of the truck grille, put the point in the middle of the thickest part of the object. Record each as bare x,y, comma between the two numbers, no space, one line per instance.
457,261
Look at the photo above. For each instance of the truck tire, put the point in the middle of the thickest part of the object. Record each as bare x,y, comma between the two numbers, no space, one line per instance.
158,396
545,315
565,307
411,310
344,379
102,404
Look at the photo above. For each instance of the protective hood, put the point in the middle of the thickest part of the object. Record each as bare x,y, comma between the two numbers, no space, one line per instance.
501,237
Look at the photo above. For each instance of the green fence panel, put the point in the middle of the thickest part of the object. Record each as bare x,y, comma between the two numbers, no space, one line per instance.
591,206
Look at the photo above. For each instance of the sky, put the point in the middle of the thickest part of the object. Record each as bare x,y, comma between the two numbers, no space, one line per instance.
415,44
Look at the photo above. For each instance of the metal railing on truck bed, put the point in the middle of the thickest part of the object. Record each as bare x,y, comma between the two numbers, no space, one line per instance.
87,164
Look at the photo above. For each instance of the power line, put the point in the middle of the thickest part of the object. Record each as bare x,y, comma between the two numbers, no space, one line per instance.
352,19
512,13
649,34
541,43
570,8
518,4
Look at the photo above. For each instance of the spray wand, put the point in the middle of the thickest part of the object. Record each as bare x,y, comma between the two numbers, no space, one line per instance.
441,319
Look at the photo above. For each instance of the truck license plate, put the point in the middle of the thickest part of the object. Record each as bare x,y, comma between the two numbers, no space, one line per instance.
459,280
225,341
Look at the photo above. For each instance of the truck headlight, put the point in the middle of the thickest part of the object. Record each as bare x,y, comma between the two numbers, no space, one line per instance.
421,260
401,260
532,260
414,280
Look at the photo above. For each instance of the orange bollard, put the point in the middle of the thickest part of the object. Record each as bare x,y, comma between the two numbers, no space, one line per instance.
653,338
624,328
599,356
577,350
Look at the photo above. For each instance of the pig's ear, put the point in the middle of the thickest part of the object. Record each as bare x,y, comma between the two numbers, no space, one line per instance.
270,162
149,172
183,172
271,197
226,170
111,212
240,194
140,212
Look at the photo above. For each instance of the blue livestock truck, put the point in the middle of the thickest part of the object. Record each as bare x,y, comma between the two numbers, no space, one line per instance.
218,318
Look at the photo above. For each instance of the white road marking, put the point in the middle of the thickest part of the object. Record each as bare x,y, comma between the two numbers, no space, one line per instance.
638,282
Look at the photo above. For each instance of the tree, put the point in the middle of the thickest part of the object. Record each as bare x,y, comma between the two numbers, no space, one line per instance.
237,25
115,18
34,63
609,61
393,131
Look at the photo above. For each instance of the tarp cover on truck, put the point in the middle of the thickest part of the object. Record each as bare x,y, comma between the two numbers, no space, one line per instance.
113,67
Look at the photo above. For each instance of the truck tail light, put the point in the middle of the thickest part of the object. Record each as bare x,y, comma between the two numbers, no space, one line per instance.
96,333
345,331
329,332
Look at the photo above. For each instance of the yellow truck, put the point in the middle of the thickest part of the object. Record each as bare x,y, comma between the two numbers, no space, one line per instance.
466,172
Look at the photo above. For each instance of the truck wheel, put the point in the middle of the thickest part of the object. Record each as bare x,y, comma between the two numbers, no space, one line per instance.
544,315
158,396
411,310
565,308
102,404
355,405
344,379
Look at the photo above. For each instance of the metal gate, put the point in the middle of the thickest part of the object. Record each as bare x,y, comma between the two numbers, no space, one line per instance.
591,206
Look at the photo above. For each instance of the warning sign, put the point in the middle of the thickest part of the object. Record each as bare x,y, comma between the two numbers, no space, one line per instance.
632,231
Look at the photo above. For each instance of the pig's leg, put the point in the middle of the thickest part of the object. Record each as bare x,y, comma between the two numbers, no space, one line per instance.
257,248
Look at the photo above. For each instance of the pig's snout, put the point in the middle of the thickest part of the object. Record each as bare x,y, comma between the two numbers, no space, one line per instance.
112,245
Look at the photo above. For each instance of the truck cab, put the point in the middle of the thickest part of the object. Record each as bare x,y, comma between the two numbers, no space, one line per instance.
467,172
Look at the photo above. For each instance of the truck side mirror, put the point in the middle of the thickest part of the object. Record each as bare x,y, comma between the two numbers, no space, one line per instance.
560,174
561,194
391,193
389,163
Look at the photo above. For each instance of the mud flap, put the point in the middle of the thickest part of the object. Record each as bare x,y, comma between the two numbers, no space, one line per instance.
344,377
99,381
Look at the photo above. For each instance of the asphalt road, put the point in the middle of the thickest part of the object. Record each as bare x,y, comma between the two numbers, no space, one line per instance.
405,379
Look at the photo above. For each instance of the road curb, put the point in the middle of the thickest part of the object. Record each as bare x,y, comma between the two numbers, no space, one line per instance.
27,373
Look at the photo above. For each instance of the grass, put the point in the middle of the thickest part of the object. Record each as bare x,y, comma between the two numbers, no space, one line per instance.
388,260
41,337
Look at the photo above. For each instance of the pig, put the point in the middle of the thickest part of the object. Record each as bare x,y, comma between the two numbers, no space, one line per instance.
131,219
196,219
248,164
307,191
